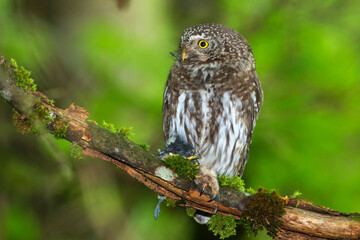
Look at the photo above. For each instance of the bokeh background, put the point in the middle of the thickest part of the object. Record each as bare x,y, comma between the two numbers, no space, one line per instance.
112,57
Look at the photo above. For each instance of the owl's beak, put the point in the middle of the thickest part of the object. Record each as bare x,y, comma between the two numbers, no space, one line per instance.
184,54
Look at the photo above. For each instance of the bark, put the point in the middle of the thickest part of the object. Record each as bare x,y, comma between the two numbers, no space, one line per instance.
302,219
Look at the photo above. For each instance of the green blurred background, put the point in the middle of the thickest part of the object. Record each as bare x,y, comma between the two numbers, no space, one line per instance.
112,57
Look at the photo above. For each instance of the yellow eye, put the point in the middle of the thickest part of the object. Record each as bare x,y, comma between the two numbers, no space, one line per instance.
203,44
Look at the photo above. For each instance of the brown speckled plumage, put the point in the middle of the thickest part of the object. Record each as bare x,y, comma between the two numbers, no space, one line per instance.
212,99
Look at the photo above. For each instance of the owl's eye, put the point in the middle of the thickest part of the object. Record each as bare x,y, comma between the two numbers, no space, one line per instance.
203,44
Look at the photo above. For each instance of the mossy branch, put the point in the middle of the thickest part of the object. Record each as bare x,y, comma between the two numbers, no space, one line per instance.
302,220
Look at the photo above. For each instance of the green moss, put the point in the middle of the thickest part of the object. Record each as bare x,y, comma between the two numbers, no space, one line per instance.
89,120
235,183
144,146
21,123
13,64
22,77
60,128
33,121
190,212
170,202
232,182
224,226
76,151
355,217
250,191
182,166
39,116
52,102
126,131
296,194
38,119
111,127
264,211
40,112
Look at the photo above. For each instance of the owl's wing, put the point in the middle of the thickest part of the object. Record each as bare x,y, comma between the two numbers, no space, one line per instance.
166,109
250,115
257,95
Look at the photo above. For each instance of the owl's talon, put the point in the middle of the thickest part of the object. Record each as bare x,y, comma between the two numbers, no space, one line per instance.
202,190
207,182
215,197
216,209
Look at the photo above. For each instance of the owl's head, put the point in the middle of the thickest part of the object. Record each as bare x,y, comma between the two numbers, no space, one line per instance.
210,42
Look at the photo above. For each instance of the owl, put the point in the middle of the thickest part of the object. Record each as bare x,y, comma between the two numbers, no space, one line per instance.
212,99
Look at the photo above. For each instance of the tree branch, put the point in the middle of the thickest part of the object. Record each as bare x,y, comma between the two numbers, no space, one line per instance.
302,219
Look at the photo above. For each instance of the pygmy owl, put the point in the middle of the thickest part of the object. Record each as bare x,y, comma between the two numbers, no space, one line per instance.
212,99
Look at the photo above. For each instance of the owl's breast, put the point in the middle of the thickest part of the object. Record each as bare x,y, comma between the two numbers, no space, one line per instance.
214,111
214,124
